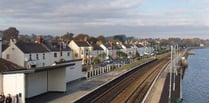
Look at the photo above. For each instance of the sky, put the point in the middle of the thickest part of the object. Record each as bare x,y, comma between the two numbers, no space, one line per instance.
138,18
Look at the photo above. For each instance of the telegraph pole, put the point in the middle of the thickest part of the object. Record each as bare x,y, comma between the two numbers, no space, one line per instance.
170,82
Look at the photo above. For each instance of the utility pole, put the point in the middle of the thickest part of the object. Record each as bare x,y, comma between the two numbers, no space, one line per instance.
170,82
174,69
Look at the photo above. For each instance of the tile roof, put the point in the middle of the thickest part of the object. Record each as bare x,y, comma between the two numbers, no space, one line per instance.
82,43
6,66
31,47
96,47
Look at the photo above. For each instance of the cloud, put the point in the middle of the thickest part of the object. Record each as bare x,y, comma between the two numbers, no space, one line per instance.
97,17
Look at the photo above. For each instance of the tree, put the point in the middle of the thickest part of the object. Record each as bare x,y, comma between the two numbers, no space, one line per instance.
81,37
137,54
121,54
121,38
102,55
67,37
101,38
10,33
96,60
23,38
92,40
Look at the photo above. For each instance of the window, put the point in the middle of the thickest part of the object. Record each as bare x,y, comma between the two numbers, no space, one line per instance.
30,57
43,56
37,57
55,54
68,54
7,56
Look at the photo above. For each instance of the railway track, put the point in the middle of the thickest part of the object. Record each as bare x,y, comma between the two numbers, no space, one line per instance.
129,89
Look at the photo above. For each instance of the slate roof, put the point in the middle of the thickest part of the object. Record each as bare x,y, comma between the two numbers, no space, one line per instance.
128,45
139,45
82,43
55,46
4,47
96,47
8,66
117,46
31,47
108,46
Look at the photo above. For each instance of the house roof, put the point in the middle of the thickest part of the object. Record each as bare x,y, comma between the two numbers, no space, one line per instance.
128,45
82,43
4,47
139,45
117,46
31,47
6,66
96,47
108,46
38,69
55,46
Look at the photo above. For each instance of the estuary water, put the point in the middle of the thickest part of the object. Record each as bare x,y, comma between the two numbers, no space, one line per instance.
196,78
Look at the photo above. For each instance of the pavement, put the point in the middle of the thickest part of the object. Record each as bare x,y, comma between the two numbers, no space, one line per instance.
156,91
75,89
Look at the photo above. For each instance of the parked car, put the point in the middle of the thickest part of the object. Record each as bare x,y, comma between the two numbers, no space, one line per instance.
126,60
108,61
116,63
102,64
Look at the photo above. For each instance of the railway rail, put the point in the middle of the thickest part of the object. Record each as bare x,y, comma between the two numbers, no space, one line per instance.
128,88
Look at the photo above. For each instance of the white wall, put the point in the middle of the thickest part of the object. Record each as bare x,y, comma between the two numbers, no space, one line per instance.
56,80
74,72
57,59
75,49
14,53
14,84
36,84
1,83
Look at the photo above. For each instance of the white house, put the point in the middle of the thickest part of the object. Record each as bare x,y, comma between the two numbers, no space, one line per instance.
97,50
140,48
37,54
27,54
59,51
108,49
129,49
81,50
